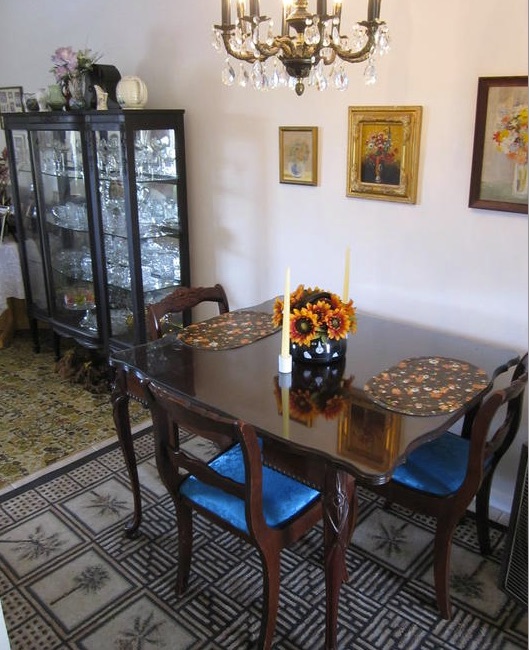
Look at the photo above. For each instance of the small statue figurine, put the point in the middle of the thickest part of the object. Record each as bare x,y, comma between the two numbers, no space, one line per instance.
102,98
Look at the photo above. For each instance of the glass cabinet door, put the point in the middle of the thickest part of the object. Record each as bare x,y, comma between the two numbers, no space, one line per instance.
142,253
30,222
62,206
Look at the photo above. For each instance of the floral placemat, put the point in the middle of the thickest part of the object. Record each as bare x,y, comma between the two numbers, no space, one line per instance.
427,385
231,330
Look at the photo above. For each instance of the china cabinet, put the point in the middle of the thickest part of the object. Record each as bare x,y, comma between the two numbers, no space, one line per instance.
101,215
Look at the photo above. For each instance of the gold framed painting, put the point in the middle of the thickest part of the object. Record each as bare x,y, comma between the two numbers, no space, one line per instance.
298,155
499,161
383,152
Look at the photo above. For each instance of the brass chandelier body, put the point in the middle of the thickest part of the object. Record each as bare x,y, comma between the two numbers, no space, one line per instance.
307,42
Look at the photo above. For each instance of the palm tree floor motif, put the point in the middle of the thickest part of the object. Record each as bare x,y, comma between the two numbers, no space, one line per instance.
37,545
143,633
89,581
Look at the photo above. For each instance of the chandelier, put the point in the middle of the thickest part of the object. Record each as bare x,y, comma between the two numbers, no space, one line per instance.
310,47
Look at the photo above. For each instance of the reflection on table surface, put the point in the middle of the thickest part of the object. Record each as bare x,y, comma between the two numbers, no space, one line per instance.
363,436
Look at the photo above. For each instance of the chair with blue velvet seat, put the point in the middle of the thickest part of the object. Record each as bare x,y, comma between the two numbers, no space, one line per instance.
268,509
442,477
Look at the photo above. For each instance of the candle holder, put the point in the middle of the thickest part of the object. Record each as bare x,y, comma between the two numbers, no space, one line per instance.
285,364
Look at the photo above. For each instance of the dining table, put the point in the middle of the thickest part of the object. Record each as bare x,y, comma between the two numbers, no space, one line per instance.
337,425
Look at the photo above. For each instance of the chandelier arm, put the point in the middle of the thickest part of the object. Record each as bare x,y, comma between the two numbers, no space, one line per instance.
247,57
366,51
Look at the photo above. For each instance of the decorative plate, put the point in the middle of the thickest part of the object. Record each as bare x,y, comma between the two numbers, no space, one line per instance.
427,385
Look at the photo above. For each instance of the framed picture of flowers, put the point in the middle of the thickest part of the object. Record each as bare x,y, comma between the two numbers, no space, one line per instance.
298,155
499,163
383,152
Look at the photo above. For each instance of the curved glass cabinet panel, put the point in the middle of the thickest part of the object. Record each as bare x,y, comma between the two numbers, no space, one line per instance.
100,206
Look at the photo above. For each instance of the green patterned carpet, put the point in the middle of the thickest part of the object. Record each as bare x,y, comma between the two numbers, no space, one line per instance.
44,418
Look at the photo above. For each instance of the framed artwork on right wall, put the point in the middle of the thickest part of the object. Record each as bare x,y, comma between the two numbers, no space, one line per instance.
499,163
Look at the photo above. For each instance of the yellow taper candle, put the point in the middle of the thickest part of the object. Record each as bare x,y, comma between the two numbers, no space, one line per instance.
285,334
345,296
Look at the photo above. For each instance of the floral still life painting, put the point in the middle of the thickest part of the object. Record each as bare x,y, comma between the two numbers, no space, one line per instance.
383,152
499,165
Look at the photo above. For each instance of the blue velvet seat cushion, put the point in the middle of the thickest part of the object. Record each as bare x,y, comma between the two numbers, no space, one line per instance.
437,467
283,497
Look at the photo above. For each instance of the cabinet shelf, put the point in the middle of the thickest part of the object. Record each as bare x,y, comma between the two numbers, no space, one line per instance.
100,201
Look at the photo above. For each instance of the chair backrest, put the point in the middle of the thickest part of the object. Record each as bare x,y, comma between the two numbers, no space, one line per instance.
505,433
171,413
492,435
183,299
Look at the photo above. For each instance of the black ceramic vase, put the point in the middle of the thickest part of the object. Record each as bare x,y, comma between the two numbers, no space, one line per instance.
319,351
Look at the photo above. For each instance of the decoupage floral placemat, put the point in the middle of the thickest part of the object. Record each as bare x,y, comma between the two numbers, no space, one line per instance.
231,330
427,385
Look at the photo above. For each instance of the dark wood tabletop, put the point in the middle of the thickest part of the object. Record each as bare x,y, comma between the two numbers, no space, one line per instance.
367,437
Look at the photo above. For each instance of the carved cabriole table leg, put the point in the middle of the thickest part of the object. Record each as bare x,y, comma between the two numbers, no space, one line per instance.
120,405
339,514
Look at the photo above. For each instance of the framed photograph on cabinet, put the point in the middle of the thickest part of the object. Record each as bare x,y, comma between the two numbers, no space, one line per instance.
11,100
298,155
383,152
499,163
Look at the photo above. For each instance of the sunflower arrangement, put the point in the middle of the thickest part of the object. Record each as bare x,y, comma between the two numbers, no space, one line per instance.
316,314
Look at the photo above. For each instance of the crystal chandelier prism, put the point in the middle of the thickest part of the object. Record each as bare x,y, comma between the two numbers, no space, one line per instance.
310,48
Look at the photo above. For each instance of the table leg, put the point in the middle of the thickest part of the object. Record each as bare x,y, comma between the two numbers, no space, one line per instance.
339,514
120,405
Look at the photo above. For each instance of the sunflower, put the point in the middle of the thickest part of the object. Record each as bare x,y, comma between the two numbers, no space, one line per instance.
303,326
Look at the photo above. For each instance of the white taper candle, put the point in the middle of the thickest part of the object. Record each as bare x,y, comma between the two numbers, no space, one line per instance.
345,296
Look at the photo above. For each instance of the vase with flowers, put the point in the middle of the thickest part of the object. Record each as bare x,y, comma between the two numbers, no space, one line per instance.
70,68
319,324
510,136
380,153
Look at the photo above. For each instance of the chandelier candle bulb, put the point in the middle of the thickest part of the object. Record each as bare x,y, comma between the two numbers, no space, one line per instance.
240,9
226,12
337,10
284,25
347,272
373,10
254,7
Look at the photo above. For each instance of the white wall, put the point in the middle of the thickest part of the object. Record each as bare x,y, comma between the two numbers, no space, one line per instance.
437,262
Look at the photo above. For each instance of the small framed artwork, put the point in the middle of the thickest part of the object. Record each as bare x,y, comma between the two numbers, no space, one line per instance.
383,152
298,155
499,163
11,100
369,434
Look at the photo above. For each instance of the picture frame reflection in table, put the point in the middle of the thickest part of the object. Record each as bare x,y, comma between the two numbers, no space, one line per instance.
499,161
383,152
11,99
369,434
298,155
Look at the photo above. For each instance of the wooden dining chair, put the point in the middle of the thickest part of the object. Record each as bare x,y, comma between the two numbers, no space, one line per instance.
268,509
181,300
442,477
